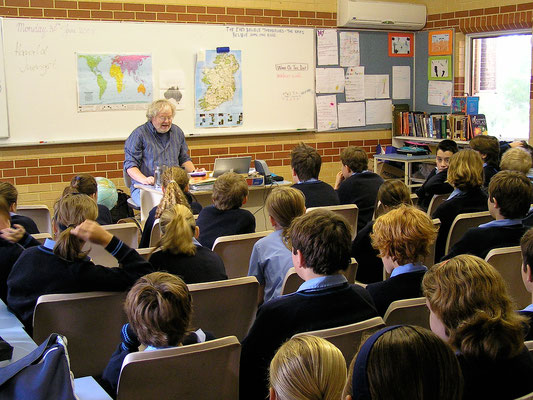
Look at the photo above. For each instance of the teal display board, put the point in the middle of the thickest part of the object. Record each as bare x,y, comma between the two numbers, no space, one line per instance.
44,94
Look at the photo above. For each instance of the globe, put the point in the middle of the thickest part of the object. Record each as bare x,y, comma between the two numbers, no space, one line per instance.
107,192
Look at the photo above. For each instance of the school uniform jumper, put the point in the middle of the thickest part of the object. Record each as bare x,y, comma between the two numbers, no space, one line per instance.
26,222
459,202
361,189
492,235
39,271
370,267
204,266
528,312
214,223
104,215
488,172
405,282
319,303
317,193
435,184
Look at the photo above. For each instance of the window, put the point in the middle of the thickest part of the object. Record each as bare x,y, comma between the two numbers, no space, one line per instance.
500,73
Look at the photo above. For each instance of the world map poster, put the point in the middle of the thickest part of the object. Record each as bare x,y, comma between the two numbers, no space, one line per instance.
114,81
218,90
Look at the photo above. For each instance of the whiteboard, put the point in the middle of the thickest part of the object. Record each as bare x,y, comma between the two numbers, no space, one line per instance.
42,87
4,131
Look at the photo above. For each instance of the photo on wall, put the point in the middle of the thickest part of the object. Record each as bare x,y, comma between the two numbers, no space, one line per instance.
439,68
401,44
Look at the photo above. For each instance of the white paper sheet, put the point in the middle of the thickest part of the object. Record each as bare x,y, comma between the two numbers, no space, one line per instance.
355,83
377,87
326,112
401,82
378,112
440,93
327,49
172,84
351,114
349,46
330,80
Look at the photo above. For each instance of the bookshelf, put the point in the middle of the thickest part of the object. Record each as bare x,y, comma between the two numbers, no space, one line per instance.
398,141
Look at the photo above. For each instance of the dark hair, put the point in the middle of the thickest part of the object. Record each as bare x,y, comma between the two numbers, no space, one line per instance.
392,193
84,183
489,147
9,192
159,309
306,162
448,145
324,239
513,192
4,208
354,158
526,247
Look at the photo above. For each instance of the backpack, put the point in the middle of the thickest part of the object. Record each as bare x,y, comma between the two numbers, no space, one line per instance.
121,209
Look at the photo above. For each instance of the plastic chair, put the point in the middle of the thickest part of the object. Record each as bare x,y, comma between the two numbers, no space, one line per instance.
526,397
429,260
235,251
462,223
91,322
149,200
348,338
40,214
348,211
225,307
155,235
529,345
146,252
41,237
128,233
508,262
127,183
206,371
408,311
436,201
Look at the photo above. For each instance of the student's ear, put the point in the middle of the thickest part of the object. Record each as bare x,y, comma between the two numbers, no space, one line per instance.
272,221
13,207
272,394
348,397
298,260
494,201
196,232
245,200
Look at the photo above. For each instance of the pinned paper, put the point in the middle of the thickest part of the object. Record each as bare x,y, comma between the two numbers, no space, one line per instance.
326,112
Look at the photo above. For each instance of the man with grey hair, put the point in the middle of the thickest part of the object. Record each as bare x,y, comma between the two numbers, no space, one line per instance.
157,142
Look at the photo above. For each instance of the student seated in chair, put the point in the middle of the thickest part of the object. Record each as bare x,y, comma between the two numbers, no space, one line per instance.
526,247
159,311
436,182
403,237
86,184
305,164
488,148
516,159
510,194
10,194
355,184
225,217
320,243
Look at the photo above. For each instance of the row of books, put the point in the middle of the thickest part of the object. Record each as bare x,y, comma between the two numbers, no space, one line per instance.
438,126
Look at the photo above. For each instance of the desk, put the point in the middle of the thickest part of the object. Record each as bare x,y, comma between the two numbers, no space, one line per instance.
255,203
407,160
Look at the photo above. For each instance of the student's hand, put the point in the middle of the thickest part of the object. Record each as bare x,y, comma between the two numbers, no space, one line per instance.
13,234
149,180
90,231
338,179
516,144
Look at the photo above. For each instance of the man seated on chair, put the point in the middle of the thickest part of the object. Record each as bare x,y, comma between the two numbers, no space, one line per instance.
320,242
305,164
355,184
510,194
526,247
436,182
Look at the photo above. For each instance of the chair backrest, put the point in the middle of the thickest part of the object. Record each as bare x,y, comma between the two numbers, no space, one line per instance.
508,262
206,371
90,321
225,307
414,198
436,201
529,345
429,260
145,252
235,251
292,280
41,237
149,199
155,235
462,223
526,397
40,214
127,232
408,311
348,338
348,211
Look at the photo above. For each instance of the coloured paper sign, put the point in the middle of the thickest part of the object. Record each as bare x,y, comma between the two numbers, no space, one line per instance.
377,86
354,85
329,80
378,112
349,45
218,90
327,49
326,112
114,81
401,82
440,93
351,114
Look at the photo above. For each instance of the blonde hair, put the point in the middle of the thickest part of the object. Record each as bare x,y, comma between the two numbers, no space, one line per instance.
470,298
517,159
229,191
174,180
284,204
465,170
308,368
70,211
404,234
178,227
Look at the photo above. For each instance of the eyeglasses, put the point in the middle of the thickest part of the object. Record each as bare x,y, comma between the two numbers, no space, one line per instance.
163,118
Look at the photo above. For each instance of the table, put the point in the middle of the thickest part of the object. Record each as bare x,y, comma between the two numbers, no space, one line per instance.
407,160
255,203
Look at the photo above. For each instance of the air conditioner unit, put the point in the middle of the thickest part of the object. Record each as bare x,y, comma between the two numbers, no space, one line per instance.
380,15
